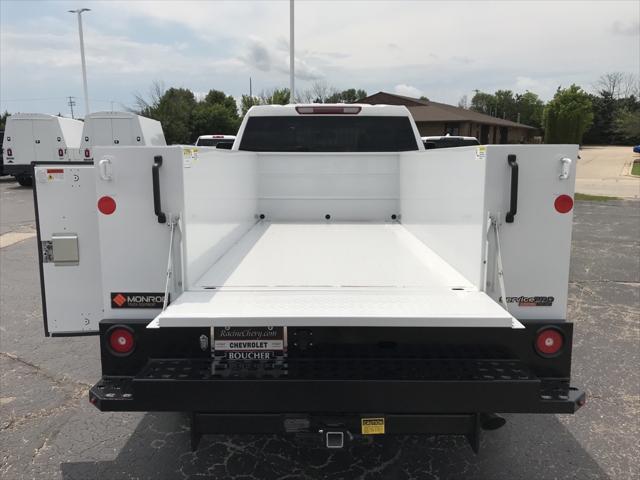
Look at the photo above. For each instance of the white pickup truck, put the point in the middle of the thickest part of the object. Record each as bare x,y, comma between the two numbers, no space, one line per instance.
327,274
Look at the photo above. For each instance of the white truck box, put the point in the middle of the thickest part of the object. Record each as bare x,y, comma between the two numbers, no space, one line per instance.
38,137
119,128
386,283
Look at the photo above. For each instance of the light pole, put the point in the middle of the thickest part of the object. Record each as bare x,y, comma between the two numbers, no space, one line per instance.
84,65
292,89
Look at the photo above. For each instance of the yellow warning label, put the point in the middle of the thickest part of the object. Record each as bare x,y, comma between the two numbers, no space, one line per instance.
55,174
372,426
190,155
481,152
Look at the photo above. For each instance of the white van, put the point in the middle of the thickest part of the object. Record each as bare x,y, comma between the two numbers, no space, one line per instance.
119,128
38,137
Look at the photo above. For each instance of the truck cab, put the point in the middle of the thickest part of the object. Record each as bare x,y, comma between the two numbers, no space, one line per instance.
214,140
448,141
328,128
326,275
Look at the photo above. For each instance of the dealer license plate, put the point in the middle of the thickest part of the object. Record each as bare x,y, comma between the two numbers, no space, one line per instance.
248,343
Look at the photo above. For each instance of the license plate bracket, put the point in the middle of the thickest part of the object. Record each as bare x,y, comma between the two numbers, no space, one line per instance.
248,343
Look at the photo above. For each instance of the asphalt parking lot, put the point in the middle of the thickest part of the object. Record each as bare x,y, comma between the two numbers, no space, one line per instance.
50,431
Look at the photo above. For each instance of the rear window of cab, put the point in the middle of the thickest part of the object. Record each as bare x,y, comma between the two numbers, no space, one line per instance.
328,134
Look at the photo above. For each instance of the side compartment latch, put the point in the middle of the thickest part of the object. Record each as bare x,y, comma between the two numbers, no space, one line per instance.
565,168
61,250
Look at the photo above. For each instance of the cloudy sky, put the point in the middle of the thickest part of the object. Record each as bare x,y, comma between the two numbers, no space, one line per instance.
439,49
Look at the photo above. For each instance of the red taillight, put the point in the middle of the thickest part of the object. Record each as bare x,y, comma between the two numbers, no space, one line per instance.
217,136
60,152
321,110
9,152
563,204
549,342
106,205
121,340
87,153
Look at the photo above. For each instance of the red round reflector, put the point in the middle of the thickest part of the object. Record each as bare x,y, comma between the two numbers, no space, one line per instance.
549,341
121,340
87,153
9,152
106,205
563,204
60,152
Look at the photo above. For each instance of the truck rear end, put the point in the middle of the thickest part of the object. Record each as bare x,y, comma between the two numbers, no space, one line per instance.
327,275
119,129
38,137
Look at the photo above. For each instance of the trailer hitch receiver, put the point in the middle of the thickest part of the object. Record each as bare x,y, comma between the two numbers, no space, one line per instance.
334,439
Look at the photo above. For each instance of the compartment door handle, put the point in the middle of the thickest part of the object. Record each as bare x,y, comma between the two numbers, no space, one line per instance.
106,169
513,203
155,176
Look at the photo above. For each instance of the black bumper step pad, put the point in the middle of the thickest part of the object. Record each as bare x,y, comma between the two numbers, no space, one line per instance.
336,385
338,369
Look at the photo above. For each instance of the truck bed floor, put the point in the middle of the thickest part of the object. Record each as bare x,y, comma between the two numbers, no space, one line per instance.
333,274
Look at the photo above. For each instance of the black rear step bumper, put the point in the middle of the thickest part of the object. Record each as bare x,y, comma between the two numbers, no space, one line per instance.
330,379
334,386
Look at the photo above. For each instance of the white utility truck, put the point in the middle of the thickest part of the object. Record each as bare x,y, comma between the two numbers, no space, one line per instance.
214,140
326,275
119,128
449,141
38,137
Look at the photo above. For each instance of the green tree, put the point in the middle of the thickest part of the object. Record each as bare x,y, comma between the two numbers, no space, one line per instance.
483,102
216,114
568,116
351,95
360,94
602,130
279,96
627,123
208,119
247,102
216,97
526,107
175,110
3,119
505,104
530,108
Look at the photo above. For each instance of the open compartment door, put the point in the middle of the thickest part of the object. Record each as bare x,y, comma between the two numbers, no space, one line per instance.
68,248
530,191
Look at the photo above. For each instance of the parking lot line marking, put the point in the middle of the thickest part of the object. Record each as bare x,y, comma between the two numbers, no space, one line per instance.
14,237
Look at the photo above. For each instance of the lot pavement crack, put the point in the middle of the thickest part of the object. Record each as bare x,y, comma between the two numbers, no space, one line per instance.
74,390
71,400
59,381
43,445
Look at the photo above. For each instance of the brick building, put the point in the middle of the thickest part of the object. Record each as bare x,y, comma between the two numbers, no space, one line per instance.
435,118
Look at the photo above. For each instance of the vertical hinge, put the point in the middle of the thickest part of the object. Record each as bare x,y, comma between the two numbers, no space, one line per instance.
47,251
